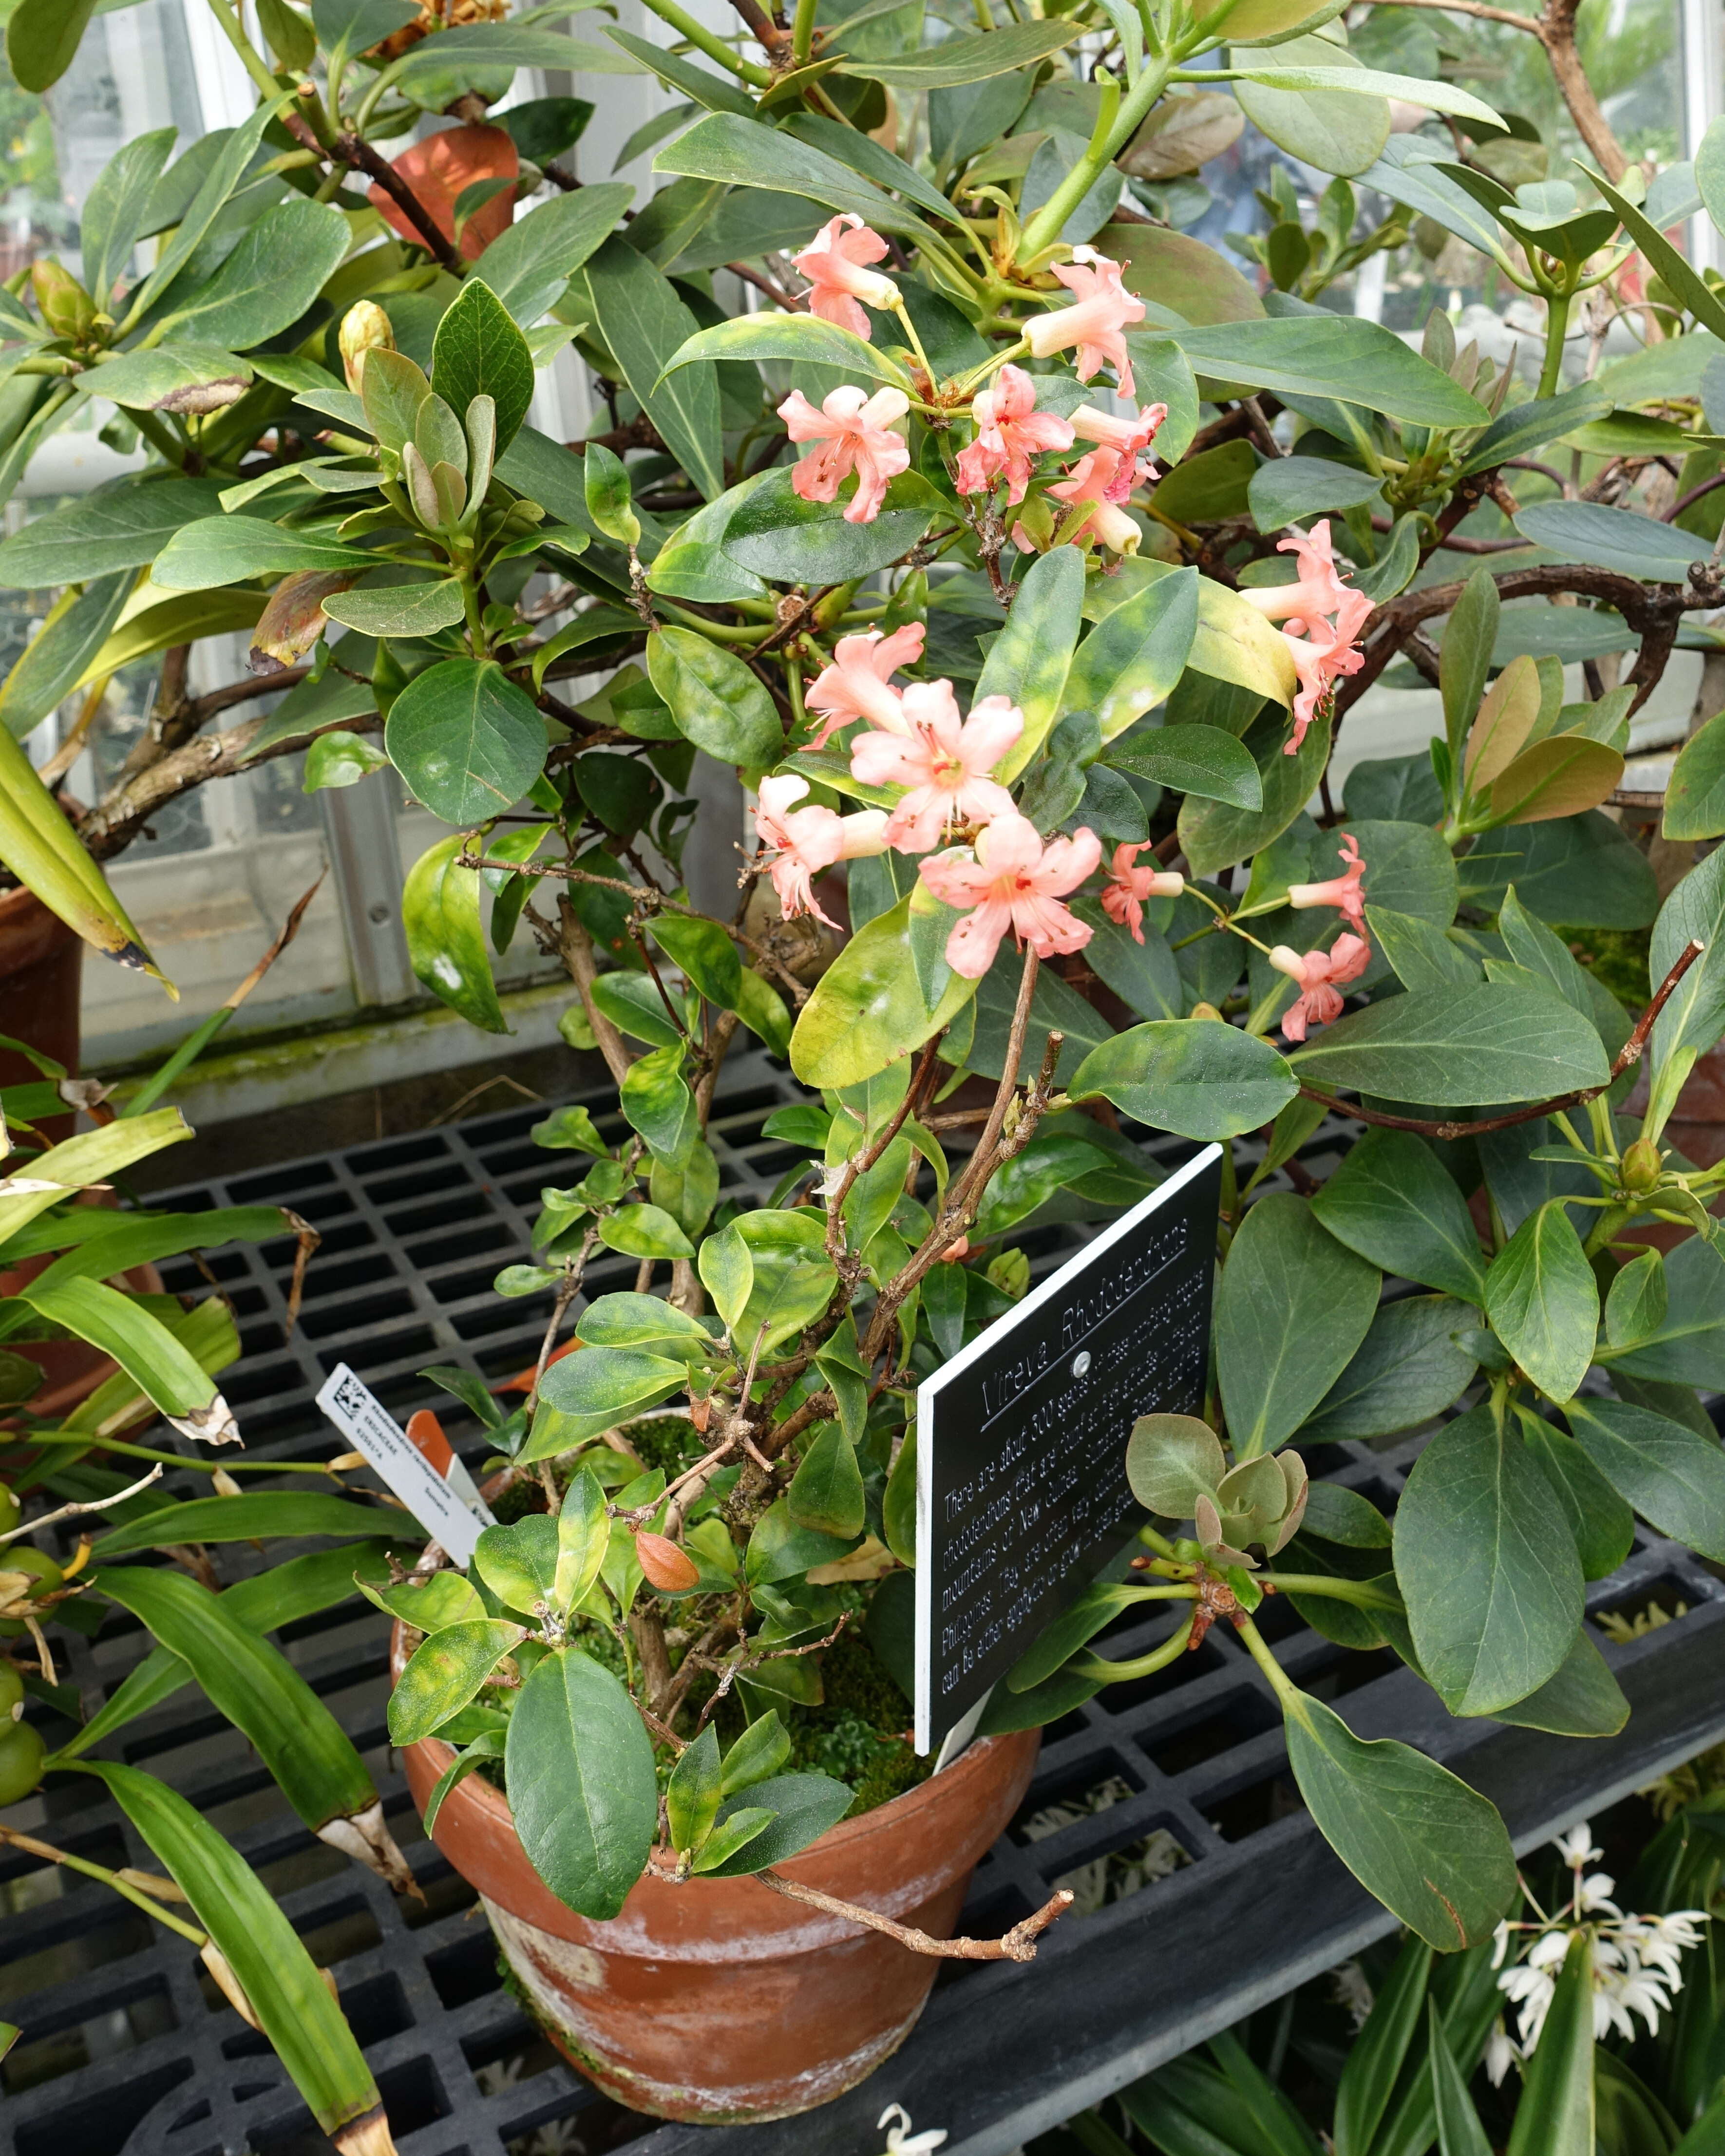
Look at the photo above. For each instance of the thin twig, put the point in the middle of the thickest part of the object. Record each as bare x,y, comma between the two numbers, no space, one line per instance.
1019,1944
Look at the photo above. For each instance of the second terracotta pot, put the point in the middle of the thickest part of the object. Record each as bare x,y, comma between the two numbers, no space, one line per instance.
718,2000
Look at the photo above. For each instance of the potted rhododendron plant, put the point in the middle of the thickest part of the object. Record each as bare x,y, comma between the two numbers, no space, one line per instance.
1025,558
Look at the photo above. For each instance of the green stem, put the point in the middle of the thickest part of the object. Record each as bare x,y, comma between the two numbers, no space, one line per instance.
1361,1592
803,32
26,1438
710,42
1170,1650
1288,1694
1045,228
159,436
147,1903
1557,324
251,57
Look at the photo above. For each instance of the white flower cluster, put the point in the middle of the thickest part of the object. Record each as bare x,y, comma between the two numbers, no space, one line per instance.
1637,1961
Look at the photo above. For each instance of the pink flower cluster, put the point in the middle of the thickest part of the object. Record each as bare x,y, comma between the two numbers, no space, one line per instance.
917,740
1323,619
1320,973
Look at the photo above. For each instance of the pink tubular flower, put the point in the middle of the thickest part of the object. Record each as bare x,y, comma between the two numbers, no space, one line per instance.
1319,588
1128,887
944,761
1128,437
801,842
1104,477
1012,881
1322,659
1009,431
1342,891
856,685
1318,972
1104,309
833,263
856,430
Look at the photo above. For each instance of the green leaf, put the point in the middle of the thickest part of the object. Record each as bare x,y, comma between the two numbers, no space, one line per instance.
1563,775
270,278
654,1096
162,1370
1132,658
1543,1302
592,1392
120,527
222,550
775,533
181,377
1392,1201
480,352
692,1796
42,40
468,741
1583,871
725,146
1694,1014
1292,1307
641,319
717,703
1526,428
255,1688
1192,759
1299,486
803,1807
245,1519
1028,660
583,1537
803,339
1618,539
771,1270
1408,1369
1191,1075
1487,1567
1694,793
1556,2110
428,1605
1331,356
826,1492
54,662
1674,1478
446,942
1603,1525
868,1009
644,1231
1436,96
1337,1514
579,1766
1374,2062
1584,1699
1213,835
294,2007
528,266
1461,1047
399,609
445,1671
518,1562
1432,1850
1145,976
957,61
1459,2131
1308,108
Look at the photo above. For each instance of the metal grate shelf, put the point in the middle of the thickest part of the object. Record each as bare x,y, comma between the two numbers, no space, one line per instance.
1166,1804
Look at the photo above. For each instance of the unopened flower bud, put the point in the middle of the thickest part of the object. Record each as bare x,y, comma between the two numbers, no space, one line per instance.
67,308
1642,1165
365,327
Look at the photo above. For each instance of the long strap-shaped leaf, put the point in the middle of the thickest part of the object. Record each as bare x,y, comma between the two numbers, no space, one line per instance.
1555,2115
38,845
93,1156
301,1586
286,1993
262,1694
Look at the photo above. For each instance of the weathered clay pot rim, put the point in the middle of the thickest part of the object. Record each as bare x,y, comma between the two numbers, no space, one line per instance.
938,1789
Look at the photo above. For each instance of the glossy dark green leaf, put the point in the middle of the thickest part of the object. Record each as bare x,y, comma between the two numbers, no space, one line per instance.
468,741
245,1519
1133,657
1408,1368
1694,1013
478,352
527,266
1191,1075
223,550
1196,759
1617,539
1213,834
1556,2112
1457,1048
1584,870
1338,1514
1394,1203
775,533
118,528
1459,2131
656,1097
868,1009
1603,1524
1543,1302
446,942
54,662
642,320
1431,1849
1028,661
1487,1566
803,1807
1144,975
1375,2062
1292,1307
1583,1699
591,1393
1339,356
717,703
826,1492
42,39
726,147
1299,486
581,1788
269,281
1674,1477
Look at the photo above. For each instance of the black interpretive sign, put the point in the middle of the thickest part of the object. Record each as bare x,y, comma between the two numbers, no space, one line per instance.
1021,1489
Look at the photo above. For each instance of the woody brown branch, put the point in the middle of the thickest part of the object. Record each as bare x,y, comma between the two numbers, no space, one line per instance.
1627,1057
1019,1944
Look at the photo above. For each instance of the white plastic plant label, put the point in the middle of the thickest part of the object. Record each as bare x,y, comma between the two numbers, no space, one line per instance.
445,1503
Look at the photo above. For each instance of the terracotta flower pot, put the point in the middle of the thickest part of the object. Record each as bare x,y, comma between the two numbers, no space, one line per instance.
718,2000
